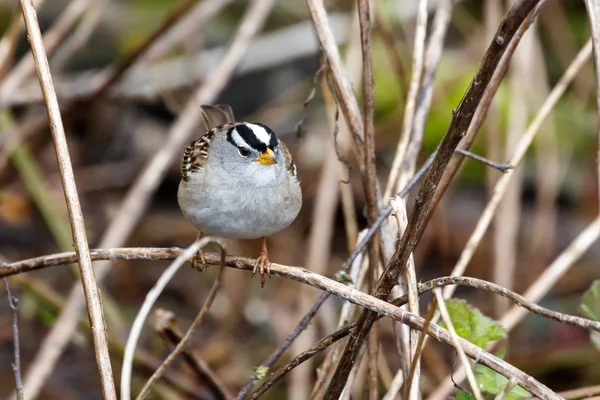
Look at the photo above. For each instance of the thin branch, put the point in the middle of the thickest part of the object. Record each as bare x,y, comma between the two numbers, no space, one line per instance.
411,100
410,277
151,298
554,271
364,19
182,345
461,354
138,197
16,366
500,167
345,267
520,150
461,120
433,55
90,287
428,316
484,105
166,326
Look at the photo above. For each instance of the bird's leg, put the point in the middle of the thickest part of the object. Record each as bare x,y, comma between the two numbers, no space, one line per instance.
262,263
198,261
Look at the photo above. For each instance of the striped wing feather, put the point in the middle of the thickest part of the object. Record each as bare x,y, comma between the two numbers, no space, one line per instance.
289,162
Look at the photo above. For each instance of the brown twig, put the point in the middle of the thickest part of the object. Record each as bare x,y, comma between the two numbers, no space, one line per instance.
364,19
520,150
151,298
492,164
461,120
16,365
433,55
411,100
166,326
484,105
294,273
428,316
182,345
341,82
139,195
90,286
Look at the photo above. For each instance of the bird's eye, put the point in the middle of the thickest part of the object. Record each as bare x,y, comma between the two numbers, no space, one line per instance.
244,152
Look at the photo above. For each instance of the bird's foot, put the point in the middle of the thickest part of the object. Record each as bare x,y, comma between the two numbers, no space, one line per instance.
198,261
262,266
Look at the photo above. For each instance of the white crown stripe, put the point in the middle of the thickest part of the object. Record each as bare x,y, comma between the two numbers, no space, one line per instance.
237,139
260,133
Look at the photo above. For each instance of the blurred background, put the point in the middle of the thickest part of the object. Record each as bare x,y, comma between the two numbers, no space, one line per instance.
111,138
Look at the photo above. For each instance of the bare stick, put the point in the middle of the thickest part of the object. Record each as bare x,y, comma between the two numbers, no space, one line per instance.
521,149
182,345
428,316
16,365
461,354
364,18
554,271
139,195
500,167
410,277
433,55
166,326
411,99
90,288
460,122
482,109
151,298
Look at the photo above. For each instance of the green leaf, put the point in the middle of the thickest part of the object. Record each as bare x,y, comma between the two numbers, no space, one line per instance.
460,395
493,383
590,307
472,325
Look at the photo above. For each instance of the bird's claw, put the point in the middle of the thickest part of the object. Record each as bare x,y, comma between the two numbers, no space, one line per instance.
198,261
262,266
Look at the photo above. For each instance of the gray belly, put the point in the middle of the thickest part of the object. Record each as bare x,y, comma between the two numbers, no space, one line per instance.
250,213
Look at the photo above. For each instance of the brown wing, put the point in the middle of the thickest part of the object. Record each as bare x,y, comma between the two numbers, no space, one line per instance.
195,153
289,163
217,115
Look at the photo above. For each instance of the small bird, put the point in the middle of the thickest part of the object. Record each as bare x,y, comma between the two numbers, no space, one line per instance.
238,181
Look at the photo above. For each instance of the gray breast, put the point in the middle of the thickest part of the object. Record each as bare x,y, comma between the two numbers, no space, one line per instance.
241,212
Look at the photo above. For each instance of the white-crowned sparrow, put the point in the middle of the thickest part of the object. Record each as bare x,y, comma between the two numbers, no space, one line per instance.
238,181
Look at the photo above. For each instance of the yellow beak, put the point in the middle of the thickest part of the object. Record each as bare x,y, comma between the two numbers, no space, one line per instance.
267,158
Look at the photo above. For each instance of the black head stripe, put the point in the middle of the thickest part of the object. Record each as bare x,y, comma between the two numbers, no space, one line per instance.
273,140
250,138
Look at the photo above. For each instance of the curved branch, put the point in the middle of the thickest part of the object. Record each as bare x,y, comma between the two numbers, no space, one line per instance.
290,272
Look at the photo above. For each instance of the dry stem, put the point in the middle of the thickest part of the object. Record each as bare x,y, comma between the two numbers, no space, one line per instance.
461,120
138,197
92,294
